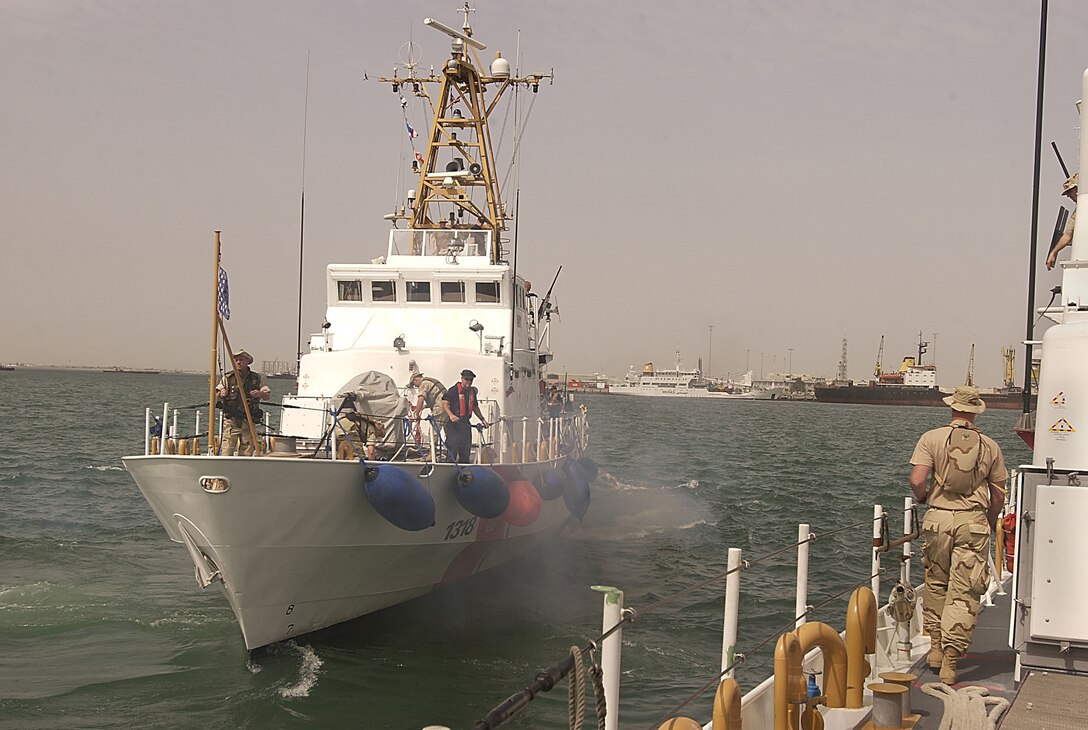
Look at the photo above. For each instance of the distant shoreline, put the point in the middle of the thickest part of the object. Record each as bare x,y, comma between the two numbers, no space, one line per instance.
102,369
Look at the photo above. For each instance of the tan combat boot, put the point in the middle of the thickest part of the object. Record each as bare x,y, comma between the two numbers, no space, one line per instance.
948,667
936,655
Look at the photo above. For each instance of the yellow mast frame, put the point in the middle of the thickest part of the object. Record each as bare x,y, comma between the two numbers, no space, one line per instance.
463,104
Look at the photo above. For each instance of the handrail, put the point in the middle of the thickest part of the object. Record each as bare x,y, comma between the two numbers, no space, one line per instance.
517,439
730,657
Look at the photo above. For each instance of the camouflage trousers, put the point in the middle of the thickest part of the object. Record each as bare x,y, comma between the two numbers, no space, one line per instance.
236,441
957,573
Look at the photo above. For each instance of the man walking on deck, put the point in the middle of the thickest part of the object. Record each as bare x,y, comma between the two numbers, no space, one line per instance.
965,496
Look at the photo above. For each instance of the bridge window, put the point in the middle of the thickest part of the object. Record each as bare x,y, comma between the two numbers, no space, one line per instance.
452,291
349,291
487,292
383,291
419,291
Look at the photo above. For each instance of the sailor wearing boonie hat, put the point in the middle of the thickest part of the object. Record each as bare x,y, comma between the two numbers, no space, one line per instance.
966,495
1069,189
236,437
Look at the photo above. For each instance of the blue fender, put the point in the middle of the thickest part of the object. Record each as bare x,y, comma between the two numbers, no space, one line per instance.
576,495
590,468
399,497
482,492
550,484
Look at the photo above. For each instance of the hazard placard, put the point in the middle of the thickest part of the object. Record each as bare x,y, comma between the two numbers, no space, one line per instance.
1062,426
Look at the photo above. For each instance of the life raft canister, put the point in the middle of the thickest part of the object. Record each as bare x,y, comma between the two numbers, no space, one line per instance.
1008,525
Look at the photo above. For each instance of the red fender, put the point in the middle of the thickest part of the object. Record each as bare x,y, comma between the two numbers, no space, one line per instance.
1008,525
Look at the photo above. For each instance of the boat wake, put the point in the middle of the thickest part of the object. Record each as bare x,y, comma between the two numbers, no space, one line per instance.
308,671
623,511
104,468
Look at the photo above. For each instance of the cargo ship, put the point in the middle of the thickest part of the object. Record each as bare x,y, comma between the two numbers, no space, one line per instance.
915,384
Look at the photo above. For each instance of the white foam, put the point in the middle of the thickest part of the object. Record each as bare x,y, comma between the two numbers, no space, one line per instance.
307,672
104,468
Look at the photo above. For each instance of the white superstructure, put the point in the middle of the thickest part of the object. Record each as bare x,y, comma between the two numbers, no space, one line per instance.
1049,627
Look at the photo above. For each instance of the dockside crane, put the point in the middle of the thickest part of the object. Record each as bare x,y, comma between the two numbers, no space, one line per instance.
879,358
1009,355
970,379
842,364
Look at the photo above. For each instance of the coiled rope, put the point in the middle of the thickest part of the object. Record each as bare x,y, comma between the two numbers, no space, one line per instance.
576,691
968,708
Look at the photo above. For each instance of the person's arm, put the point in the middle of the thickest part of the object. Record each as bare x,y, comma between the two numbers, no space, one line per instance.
479,415
1065,240
449,411
919,475
997,502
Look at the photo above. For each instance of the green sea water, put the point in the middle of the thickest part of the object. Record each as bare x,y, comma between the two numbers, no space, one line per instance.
103,626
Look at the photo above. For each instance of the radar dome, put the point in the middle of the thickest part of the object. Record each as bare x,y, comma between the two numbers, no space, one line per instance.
500,67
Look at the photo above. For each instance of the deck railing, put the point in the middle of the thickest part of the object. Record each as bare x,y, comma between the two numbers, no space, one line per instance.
507,440
900,640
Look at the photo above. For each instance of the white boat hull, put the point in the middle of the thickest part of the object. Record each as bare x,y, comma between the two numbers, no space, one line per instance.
298,546
694,393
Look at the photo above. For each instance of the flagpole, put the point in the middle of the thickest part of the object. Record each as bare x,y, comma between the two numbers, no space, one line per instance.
215,341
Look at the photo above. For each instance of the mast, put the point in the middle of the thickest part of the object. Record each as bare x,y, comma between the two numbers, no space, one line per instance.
1029,337
457,175
922,348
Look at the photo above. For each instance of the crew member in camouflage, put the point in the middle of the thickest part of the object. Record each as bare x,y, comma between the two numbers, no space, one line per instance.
236,439
429,393
1069,189
965,496
362,430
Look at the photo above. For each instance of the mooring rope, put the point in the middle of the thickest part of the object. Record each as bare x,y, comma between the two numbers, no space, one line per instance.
576,691
967,708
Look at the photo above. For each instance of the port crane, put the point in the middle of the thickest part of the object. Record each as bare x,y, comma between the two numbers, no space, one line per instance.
1010,365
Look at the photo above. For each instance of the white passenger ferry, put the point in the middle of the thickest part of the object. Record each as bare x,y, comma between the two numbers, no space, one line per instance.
679,382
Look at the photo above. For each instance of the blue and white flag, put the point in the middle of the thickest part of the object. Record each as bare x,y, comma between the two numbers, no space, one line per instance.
411,132
222,296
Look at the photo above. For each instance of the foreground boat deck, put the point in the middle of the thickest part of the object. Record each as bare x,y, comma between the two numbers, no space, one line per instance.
1043,700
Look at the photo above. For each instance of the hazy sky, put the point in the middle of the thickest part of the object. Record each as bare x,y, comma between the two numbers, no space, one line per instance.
790,172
